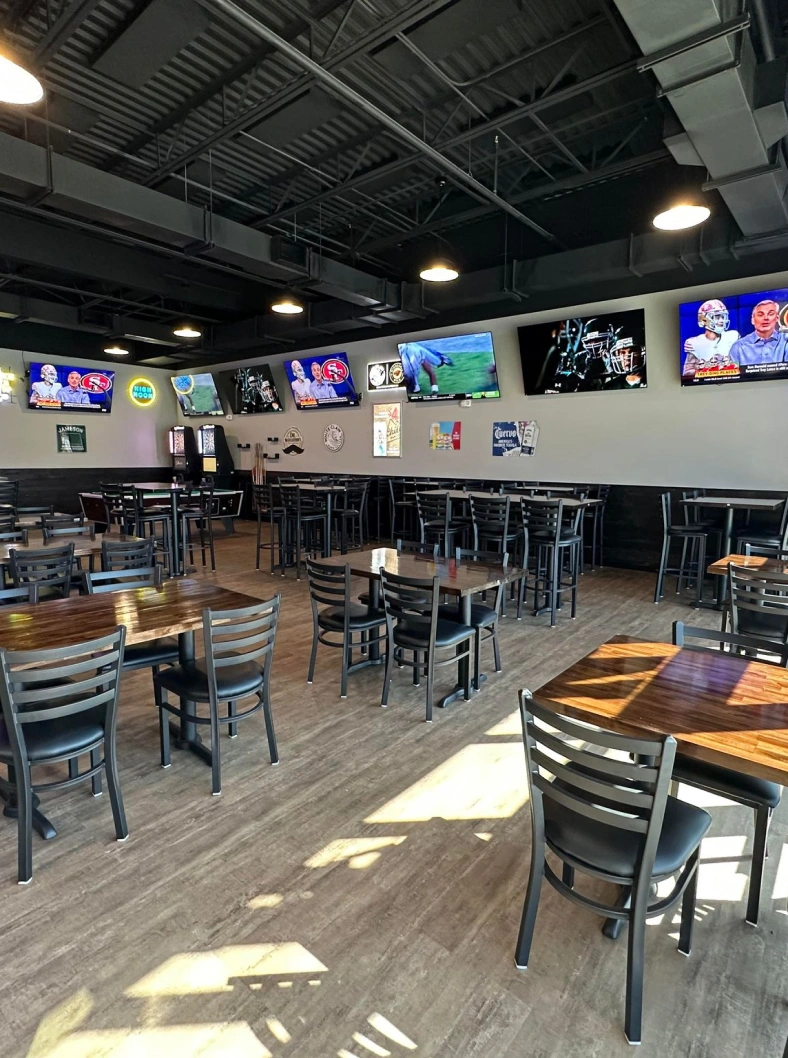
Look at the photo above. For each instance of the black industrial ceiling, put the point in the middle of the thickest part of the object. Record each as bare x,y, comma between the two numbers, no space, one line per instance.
193,158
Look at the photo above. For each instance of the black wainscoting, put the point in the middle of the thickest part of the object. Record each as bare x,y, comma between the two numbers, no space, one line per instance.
62,487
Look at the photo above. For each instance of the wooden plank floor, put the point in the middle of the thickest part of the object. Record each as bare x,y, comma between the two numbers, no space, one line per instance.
363,897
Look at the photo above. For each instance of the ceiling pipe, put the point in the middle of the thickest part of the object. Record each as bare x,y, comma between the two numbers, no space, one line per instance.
343,91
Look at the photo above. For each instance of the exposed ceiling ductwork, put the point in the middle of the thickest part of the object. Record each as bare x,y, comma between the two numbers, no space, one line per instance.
732,109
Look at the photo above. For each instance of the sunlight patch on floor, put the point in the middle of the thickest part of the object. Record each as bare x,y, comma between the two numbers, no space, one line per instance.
358,852
722,880
225,1040
59,1022
193,973
391,1032
510,725
265,900
485,781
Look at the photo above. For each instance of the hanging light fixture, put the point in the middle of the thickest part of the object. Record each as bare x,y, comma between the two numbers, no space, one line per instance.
17,85
116,350
287,306
682,215
187,330
439,269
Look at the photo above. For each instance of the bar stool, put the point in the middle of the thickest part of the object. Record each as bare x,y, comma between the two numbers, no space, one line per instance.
306,524
557,545
154,521
268,505
695,534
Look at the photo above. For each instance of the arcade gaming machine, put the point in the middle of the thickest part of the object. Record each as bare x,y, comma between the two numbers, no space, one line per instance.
215,453
183,449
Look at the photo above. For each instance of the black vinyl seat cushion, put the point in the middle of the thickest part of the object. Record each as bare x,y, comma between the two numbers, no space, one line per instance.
55,738
613,851
761,539
765,625
190,681
567,536
155,652
693,529
725,782
481,616
361,618
416,636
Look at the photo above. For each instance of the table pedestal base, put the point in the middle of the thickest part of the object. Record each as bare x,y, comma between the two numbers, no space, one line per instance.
194,743
41,824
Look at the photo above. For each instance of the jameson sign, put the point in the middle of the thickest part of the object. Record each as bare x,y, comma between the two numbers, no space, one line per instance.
72,438
515,438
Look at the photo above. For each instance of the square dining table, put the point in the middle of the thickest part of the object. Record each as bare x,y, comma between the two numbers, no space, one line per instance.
461,580
83,545
174,608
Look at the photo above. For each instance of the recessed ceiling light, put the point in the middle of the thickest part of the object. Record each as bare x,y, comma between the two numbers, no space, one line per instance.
683,215
187,330
440,271
17,85
116,350
287,306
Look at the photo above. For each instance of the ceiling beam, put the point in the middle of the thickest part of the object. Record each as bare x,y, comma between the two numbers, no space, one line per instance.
376,36
62,28
344,91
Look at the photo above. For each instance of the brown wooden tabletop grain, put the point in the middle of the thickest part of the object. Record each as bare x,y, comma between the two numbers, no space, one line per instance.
456,578
763,562
147,613
720,708
83,545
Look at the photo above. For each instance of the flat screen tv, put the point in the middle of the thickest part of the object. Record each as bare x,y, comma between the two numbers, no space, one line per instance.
197,395
60,387
321,381
251,390
585,354
742,338
460,367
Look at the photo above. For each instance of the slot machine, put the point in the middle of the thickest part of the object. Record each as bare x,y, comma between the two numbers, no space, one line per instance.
183,449
215,453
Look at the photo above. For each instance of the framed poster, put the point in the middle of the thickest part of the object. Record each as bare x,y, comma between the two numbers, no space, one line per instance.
387,430
385,374
515,438
445,436
72,438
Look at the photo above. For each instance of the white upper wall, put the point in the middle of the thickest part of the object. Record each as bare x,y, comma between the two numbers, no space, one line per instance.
731,436
128,437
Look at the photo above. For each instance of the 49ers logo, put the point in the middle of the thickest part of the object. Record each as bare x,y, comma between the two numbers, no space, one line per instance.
334,371
96,382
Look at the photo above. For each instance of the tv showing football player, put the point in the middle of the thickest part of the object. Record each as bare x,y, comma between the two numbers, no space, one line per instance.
250,390
458,367
68,388
740,338
321,381
584,354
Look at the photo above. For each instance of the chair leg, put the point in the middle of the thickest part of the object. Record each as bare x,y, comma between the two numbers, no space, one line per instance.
496,648
24,797
469,678
701,570
115,797
477,658
346,654
531,905
210,544
633,1017
95,781
232,709
164,726
554,575
259,533
430,667
663,561
688,908
568,875
216,768
312,657
762,820
73,767
416,673
390,651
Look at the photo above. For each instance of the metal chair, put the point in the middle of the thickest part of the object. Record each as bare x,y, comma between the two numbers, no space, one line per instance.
594,525
696,535
306,523
490,519
27,594
556,544
154,522
239,647
201,515
484,618
436,522
351,515
268,506
120,554
758,794
771,539
47,722
612,820
412,624
49,569
335,614
402,506
758,603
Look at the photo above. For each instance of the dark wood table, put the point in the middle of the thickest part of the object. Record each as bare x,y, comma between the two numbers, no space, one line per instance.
83,545
175,608
462,580
720,708
330,491
32,521
729,504
569,502
763,562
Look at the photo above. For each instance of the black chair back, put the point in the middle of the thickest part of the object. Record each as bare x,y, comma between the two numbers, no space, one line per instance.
49,569
490,515
266,497
690,637
126,554
9,494
7,520
412,600
236,637
66,531
26,594
52,684
758,602
667,517
568,767
546,519
13,536
62,521
123,579
415,547
329,585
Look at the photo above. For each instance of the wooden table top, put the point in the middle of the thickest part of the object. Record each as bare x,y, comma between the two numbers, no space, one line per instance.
28,521
83,545
738,503
457,578
570,503
147,613
720,708
763,562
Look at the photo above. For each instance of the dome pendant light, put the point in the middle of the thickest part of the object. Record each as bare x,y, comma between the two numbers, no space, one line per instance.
187,330
17,85
439,269
116,350
287,306
682,215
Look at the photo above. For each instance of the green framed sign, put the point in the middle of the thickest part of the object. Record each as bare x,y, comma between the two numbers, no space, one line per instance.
72,438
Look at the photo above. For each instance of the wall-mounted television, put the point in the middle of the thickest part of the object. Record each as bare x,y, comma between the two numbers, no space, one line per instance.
742,338
59,387
250,390
585,353
460,367
321,381
197,395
